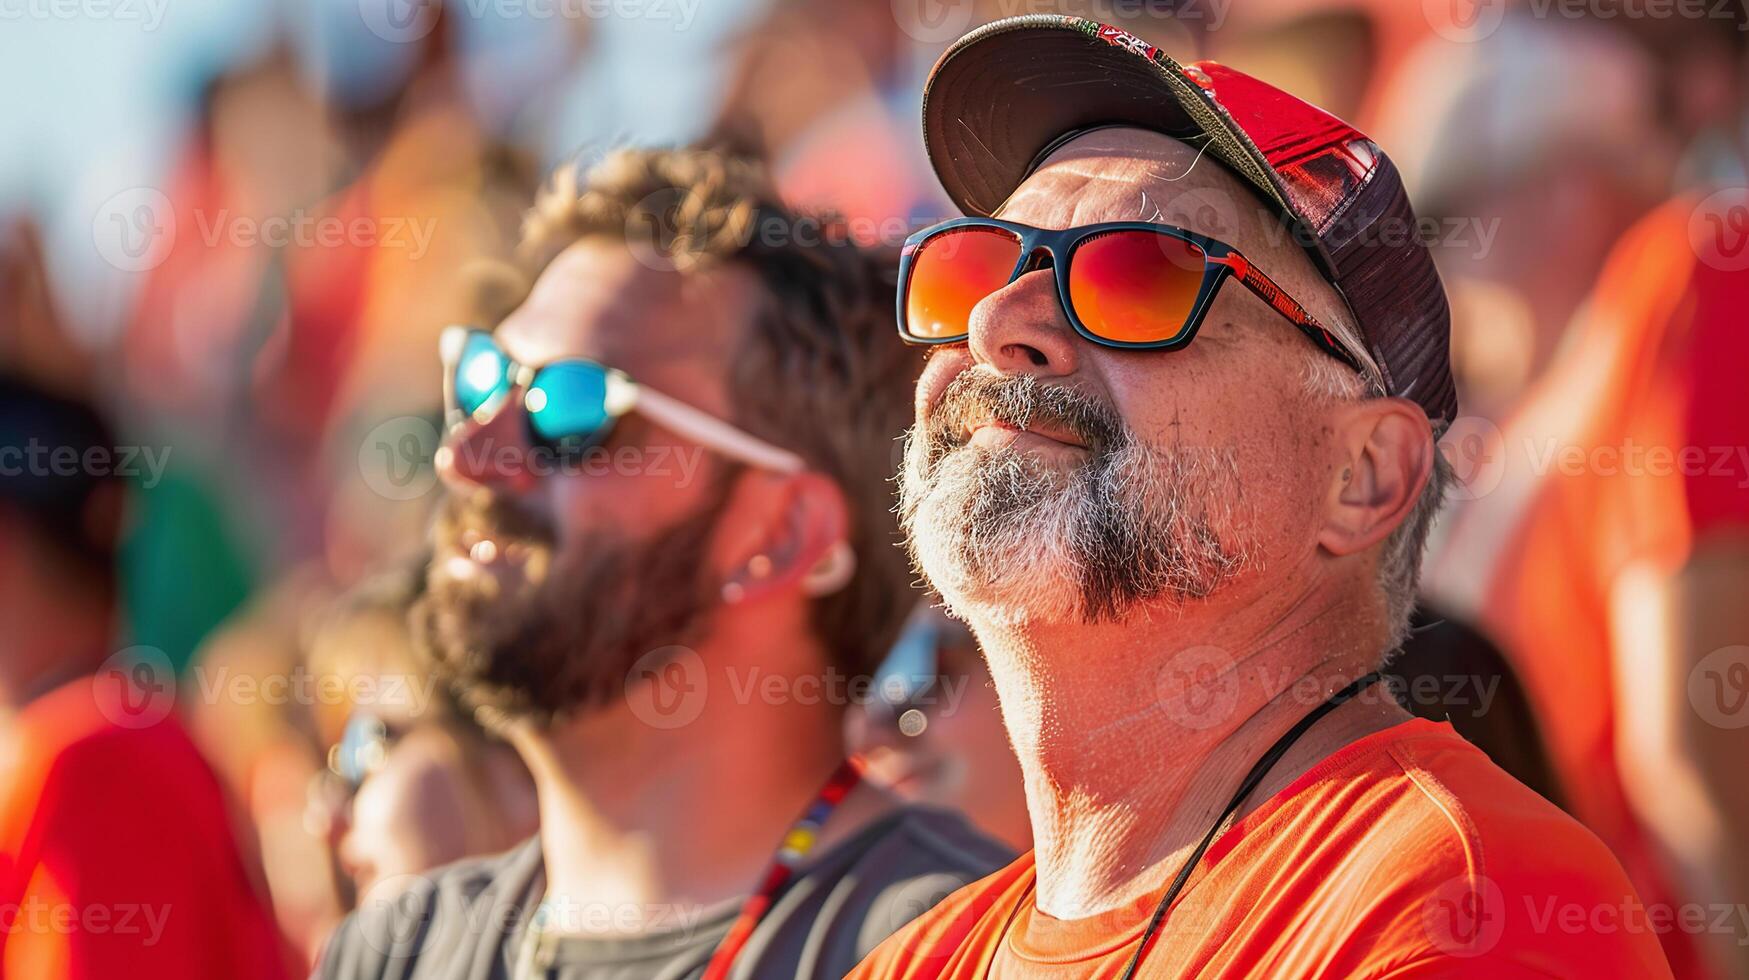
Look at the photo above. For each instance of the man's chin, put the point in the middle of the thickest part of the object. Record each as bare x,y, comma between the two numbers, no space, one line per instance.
1013,574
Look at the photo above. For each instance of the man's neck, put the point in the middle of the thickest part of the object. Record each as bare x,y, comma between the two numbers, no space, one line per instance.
644,826
1134,737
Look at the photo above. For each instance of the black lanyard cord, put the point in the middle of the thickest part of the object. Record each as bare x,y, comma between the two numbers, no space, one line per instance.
1252,778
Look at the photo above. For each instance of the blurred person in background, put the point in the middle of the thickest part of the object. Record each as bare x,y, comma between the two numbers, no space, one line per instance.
1535,147
827,92
266,749
664,559
412,781
118,857
1603,541
931,729
1614,573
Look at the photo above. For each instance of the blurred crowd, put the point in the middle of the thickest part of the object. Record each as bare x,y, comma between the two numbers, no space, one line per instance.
287,270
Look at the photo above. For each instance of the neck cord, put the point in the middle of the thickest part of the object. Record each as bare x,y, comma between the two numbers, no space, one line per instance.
1252,779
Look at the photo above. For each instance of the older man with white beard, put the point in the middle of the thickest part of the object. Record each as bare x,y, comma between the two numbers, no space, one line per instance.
1174,462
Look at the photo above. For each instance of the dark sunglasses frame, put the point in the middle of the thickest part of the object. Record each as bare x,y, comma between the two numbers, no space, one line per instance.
1220,262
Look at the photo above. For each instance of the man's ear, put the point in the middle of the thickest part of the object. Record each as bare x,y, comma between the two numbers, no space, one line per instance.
1385,458
801,541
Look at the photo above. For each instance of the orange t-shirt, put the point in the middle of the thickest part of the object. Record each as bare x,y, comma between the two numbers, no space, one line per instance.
1404,854
1629,451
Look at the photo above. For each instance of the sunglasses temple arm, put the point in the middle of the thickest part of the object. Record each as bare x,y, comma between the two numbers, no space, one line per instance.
1266,290
449,351
714,433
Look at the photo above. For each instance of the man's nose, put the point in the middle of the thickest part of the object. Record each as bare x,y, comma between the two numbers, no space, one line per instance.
494,454
1022,329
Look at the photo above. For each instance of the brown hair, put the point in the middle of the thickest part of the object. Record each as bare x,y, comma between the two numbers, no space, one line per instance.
823,373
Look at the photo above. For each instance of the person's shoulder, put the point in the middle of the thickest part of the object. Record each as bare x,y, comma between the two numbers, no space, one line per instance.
442,916
1465,807
150,764
936,934
942,838
909,862
1466,863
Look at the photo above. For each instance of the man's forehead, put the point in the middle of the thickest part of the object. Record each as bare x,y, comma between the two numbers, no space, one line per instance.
596,299
1128,174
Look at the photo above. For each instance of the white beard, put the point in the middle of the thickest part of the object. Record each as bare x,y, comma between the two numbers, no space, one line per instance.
998,533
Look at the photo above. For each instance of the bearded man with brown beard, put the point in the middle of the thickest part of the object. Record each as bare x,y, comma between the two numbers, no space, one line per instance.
665,565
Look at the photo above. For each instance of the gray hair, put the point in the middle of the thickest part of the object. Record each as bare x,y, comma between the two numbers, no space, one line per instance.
1400,563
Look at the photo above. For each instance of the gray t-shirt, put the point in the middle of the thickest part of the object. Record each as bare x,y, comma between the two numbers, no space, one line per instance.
470,921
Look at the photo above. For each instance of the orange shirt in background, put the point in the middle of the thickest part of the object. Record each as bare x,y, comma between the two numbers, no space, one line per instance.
118,859
1628,451
1404,854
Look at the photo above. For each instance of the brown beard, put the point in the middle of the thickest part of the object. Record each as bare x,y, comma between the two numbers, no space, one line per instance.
565,644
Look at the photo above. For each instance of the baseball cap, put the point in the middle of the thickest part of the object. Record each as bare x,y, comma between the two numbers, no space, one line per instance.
1006,95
